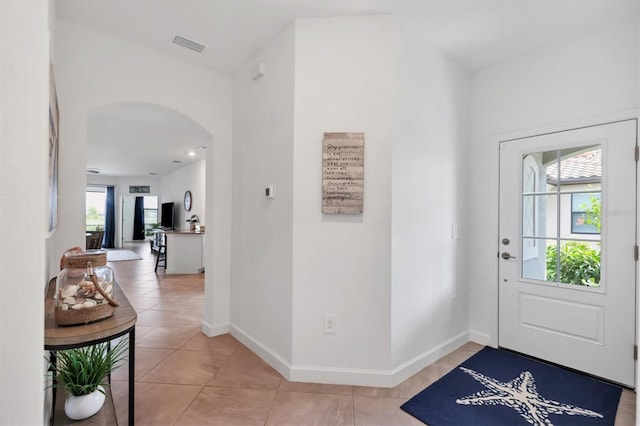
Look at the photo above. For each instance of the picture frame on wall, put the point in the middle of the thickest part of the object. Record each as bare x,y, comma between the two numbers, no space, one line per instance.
343,173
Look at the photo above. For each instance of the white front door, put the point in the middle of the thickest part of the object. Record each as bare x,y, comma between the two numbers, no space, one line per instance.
567,285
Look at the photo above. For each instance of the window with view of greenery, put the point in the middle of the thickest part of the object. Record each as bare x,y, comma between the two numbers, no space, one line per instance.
585,213
561,216
95,202
578,262
150,213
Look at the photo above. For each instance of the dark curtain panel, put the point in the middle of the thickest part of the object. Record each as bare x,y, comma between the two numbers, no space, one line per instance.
110,219
138,219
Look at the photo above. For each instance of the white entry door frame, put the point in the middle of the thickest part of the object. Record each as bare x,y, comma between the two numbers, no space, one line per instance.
589,328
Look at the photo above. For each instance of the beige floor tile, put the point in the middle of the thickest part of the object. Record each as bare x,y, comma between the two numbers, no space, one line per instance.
120,395
457,357
149,282
177,305
146,360
133,292
142,330
182,284
416,383
410,387
287,386
201,342
142,302
167,337
187,367
296,408
174,292
156,403
471,347
242,348
246,370
626,415
371,391
381,411
169,319
229,406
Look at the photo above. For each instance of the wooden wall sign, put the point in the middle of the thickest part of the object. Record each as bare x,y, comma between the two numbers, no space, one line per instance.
343,173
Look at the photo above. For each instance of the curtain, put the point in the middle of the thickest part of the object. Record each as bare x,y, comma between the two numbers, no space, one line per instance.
138,219
110,219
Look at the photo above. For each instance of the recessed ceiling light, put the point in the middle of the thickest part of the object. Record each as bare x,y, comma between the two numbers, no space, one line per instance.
93,170
152,173
191,154
176,161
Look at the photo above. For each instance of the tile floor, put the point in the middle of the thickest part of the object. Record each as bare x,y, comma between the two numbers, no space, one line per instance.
185,378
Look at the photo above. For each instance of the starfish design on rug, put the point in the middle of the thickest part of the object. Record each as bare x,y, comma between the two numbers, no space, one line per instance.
521,395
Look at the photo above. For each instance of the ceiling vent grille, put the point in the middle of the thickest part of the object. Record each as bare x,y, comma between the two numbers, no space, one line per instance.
185,42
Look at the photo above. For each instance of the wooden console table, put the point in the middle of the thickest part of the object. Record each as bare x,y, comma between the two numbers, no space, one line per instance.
58,338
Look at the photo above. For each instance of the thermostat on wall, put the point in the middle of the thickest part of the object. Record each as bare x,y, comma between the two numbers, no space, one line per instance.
270,191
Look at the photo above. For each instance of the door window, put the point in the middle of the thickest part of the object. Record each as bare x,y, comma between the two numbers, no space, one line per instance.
561,216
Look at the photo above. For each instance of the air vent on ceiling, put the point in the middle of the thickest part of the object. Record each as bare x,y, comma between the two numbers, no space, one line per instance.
185,42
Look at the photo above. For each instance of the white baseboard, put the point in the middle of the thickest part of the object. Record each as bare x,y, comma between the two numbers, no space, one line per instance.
349,376
411,367
342,376
214,330
480,338
281,365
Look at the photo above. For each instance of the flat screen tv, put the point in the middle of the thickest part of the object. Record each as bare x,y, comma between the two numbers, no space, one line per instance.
167,216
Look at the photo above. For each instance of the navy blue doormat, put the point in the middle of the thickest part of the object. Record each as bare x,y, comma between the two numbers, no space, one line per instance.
496,387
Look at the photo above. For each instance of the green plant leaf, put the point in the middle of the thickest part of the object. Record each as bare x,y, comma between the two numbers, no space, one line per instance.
81,370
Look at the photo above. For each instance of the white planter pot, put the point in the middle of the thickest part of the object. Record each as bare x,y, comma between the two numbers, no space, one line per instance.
81,407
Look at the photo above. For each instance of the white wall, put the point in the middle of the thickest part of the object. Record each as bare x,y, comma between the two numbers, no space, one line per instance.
341,263
95,70
585,80
429,198
24,129
262,228
174,185
291,263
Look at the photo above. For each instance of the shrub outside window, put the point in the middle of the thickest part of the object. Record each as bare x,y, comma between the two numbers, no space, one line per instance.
582,205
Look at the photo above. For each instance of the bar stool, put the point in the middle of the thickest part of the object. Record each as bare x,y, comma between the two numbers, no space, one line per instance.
162,253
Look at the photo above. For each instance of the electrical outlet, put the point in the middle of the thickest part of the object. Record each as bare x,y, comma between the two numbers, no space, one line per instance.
452,303
329,324
455,232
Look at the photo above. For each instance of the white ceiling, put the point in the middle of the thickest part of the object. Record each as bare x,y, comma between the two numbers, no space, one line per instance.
132,139
477,33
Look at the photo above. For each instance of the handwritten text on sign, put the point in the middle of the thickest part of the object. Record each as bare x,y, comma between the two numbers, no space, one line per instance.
342,172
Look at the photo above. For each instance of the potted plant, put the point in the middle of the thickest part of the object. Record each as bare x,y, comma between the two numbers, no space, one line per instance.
148,232
193,220
82,372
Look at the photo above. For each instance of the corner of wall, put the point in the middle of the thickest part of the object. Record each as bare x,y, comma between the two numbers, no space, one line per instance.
214,330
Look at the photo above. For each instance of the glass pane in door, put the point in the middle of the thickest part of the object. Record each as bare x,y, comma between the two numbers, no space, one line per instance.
561,216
